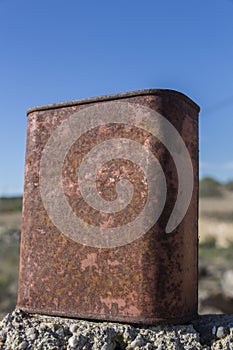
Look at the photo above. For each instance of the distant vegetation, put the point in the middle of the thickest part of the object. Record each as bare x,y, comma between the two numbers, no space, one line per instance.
229,186
209,187
10,204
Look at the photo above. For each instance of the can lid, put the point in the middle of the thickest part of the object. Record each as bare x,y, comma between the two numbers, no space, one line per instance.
158,92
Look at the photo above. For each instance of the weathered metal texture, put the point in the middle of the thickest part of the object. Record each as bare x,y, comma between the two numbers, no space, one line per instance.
151,280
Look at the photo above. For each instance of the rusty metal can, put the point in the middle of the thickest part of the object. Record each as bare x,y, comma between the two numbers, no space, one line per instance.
110,209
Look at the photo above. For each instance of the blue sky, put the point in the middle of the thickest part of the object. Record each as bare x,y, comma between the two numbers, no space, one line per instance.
55,50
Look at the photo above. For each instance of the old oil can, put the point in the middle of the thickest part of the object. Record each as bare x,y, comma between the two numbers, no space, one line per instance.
110,209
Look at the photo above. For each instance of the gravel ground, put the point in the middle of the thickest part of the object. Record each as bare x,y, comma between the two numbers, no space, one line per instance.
19,330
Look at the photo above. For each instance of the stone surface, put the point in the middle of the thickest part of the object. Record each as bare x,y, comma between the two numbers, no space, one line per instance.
18,330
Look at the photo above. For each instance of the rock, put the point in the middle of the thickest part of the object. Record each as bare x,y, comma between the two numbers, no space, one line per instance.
73,341
73,328
31,333
139,341
19,331
221,332
23,345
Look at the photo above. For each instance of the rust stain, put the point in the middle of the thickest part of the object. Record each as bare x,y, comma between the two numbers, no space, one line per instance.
90,261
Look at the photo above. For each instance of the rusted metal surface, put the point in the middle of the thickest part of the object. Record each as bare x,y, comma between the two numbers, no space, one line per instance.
150,279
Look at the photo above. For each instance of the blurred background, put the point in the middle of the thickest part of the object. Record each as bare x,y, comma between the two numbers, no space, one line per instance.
54,51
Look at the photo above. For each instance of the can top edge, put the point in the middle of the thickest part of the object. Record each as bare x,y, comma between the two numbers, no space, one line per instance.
158,92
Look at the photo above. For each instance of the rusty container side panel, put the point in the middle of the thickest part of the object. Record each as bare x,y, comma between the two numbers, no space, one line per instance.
148,279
